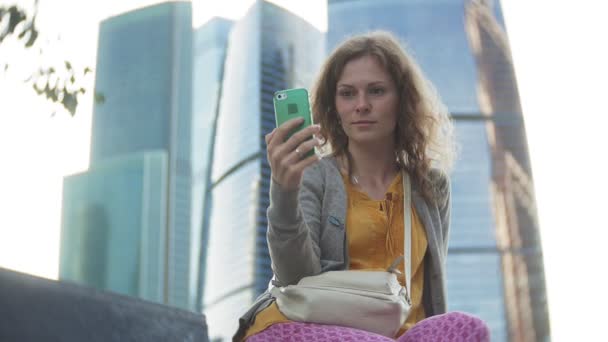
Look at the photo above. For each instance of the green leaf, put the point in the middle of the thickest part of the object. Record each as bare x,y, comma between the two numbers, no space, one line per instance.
51,93
18,22
16,16
69,102
32,39
37,90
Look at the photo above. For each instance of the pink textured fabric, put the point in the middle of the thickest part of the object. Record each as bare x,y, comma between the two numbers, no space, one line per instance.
449,327
303,332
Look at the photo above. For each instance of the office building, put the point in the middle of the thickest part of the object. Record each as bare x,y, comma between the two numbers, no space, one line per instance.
269,49
126,222
210,42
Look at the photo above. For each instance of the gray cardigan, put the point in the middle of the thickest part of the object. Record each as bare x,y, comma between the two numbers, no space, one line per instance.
306,234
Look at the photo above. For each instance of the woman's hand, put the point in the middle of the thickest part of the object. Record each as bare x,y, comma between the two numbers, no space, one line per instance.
285,157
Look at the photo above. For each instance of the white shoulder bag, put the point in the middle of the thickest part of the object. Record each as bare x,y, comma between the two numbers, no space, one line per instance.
373,301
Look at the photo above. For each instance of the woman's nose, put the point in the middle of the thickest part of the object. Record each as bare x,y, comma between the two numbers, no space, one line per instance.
363,105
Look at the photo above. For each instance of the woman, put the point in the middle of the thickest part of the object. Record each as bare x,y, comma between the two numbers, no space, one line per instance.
379,116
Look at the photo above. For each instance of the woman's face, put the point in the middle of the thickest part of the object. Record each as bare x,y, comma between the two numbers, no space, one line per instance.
367,101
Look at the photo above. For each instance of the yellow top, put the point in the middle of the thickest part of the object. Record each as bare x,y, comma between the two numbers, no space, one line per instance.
375,238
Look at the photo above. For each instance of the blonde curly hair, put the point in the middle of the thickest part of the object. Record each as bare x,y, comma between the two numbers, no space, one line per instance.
424,132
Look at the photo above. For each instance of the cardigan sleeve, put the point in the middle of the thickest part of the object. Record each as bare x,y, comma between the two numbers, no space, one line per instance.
293,241
443,195
446,212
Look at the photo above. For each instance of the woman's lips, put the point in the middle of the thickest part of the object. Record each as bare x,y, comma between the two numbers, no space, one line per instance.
363,123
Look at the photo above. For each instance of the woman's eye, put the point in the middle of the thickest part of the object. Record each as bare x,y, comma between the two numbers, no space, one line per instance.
345,93
376,91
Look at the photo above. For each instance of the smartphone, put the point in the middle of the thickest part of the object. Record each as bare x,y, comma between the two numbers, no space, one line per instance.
290,104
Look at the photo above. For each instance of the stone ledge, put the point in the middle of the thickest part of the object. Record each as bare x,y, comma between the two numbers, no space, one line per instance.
38,309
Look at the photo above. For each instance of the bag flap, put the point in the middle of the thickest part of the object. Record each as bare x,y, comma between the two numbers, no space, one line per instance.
375,281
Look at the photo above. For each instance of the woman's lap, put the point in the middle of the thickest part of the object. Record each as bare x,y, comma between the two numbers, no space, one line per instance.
449,327
297,331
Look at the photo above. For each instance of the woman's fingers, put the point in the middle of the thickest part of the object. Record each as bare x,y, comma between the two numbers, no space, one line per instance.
301,136
278,148
287,158
291,171
307,146
306,162
281,132
300,153
295,141
268,136
279,137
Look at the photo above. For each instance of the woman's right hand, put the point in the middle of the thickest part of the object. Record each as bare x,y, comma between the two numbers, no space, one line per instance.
285,156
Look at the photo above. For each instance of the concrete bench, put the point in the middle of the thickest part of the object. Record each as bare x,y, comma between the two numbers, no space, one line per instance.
37,309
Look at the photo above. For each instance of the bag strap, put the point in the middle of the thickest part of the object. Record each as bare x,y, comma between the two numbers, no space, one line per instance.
407,236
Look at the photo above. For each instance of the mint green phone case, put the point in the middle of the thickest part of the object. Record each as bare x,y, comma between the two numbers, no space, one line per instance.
290,104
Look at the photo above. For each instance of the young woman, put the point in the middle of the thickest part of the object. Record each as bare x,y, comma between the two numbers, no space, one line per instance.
378,116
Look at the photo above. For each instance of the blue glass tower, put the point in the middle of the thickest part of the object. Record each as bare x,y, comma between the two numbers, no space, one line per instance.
114,226
495,267
210,42
129,216
269,49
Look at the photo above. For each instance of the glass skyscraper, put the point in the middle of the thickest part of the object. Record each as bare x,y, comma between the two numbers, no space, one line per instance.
517,230
113,226
268,50
126,223
210,42
495,267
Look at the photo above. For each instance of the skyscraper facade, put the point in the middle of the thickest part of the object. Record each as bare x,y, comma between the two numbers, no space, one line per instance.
513,191
113,226
494,265
269,49
141,158
210,42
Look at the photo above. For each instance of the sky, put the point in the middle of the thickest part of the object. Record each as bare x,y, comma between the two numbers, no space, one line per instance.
561,64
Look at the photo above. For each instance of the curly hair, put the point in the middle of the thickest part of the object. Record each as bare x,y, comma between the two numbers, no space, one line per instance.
424,131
